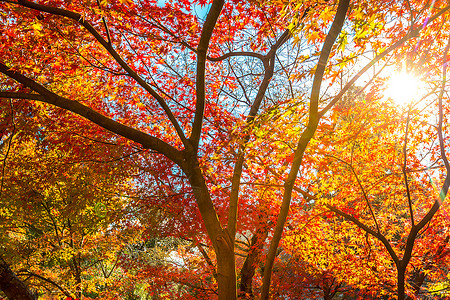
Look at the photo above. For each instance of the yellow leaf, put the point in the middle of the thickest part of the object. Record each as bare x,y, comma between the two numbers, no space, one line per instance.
37,28
313,37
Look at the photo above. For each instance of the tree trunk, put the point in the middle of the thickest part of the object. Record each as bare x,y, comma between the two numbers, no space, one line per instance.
226,268
220,238
77,276
248,270
305,137
251,261
401,283
11,285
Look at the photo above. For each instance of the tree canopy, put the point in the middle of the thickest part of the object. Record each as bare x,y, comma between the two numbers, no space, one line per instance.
224,149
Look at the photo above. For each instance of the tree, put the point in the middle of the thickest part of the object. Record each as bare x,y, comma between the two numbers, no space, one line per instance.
362,179
417,211
59,217
379,177
180,88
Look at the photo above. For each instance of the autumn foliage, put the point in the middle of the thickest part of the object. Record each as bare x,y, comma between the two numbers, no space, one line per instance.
223,149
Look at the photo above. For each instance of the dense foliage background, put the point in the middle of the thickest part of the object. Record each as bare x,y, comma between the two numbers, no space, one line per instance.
211,149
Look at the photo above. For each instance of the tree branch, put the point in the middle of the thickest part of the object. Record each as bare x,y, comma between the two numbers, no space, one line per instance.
441,111
411,34
305,137
405,176
444,190
232,54
26,272
81,20
147,141
269,65
11,285
364,227
202,48
9,139
366,198
104,23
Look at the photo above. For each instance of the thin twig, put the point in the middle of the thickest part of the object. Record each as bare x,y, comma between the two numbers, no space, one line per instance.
405,176
104,23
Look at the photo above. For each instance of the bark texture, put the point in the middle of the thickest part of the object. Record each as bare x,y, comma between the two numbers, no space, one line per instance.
11,285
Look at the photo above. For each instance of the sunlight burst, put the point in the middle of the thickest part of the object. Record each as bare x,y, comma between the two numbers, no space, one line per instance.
404,88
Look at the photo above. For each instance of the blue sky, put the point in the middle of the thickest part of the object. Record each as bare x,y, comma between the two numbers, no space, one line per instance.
198,10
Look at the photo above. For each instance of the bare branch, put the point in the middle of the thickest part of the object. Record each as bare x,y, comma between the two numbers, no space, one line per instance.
233,54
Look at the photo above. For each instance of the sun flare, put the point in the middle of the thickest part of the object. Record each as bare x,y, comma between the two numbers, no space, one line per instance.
404,88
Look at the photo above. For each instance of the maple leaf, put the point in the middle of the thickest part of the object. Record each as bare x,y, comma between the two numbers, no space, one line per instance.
139,123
